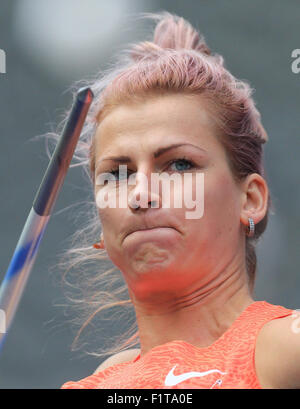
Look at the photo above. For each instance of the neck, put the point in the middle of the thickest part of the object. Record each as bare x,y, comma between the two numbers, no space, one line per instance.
198,317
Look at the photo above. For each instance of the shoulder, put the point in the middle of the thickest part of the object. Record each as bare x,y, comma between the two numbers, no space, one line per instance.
277,356
92,381
118,358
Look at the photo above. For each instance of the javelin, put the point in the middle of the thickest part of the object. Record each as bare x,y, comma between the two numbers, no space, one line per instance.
27,247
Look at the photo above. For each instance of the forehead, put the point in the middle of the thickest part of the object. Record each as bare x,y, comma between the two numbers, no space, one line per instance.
170,117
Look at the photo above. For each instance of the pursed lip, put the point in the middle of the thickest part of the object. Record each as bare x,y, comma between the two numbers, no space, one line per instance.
148,228
152,228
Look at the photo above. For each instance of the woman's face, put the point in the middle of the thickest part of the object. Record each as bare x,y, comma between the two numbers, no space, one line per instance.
184,251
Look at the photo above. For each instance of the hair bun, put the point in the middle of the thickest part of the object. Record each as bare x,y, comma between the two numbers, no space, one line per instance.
144,50
171,32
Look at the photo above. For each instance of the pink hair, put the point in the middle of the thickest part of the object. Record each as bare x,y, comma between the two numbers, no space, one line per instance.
176,60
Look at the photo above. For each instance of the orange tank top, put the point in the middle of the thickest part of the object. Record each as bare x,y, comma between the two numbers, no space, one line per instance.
228,363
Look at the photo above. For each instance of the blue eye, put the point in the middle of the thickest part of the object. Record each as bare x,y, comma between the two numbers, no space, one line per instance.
184,162
116,174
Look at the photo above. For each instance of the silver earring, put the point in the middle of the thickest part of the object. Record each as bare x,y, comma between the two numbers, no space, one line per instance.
251,227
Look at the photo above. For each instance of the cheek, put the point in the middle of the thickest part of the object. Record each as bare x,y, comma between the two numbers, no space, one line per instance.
111,220
217,203
222,204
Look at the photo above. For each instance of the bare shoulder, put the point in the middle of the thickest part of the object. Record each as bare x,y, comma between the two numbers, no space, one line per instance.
118,358
277,355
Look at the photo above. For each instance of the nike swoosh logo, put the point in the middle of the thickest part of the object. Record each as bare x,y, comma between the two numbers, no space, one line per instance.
172,379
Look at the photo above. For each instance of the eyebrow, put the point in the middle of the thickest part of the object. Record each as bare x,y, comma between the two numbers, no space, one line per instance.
156,154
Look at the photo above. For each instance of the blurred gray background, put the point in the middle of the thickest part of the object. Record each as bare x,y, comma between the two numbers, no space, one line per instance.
51,44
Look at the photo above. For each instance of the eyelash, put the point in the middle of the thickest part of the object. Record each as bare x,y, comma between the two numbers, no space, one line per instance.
187,161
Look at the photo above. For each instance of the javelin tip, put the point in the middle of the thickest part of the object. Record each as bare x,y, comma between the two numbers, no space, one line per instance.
85,95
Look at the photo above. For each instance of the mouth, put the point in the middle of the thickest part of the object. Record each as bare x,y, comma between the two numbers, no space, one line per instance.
145,230
157,227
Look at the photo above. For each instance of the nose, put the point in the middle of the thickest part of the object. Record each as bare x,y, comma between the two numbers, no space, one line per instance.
146,193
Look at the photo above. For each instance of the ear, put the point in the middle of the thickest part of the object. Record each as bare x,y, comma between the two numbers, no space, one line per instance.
254,198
